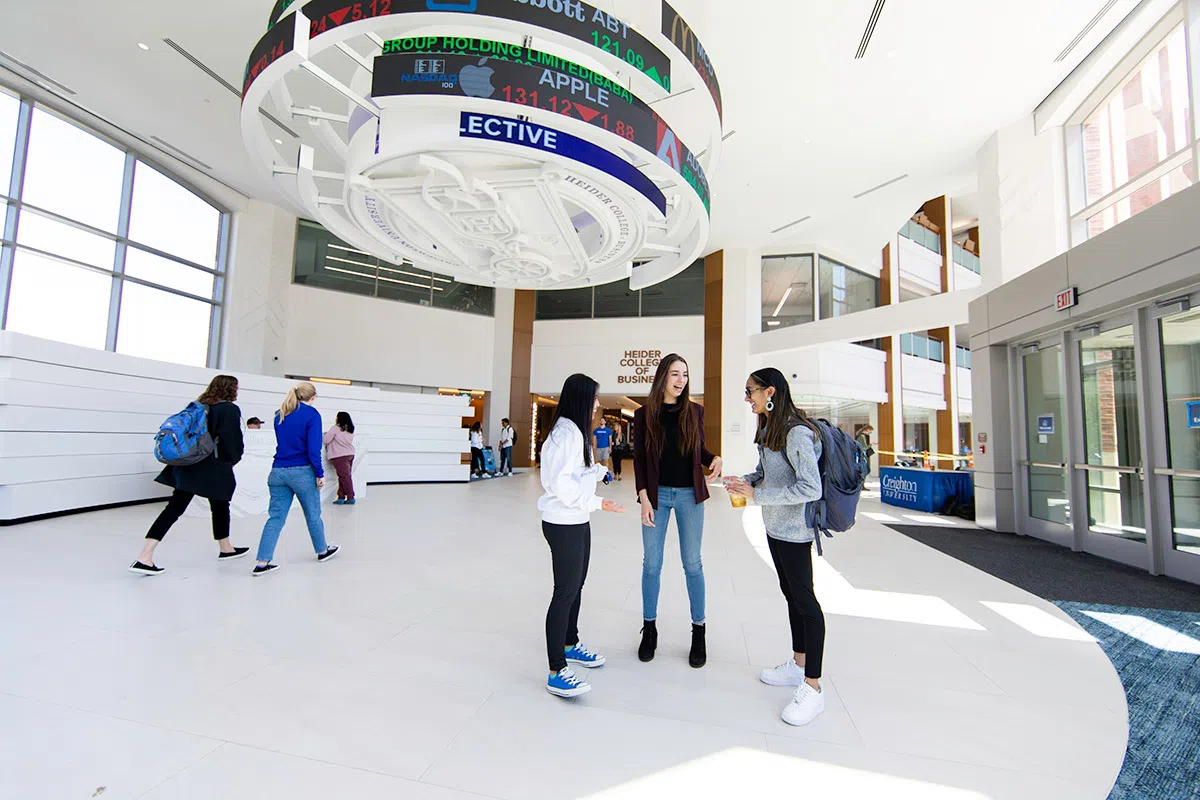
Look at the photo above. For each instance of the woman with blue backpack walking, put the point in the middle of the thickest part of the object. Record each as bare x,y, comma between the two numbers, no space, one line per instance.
296,473
211,476
788,478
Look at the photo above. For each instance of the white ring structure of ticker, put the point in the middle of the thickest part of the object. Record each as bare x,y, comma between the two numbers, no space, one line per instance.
637,232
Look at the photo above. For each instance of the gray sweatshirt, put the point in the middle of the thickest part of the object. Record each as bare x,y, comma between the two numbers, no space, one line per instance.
783,492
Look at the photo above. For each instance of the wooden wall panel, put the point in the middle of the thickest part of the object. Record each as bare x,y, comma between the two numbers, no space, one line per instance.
521,401
714,311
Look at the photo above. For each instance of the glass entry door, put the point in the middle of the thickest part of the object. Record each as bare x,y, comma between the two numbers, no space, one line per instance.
1175,336
1044,490
1109,467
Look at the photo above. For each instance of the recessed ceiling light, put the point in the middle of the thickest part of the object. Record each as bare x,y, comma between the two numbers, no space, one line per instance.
808,141
279,141
892,53
143,46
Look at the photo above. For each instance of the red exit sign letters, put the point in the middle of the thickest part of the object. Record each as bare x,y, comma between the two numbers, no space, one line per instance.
1066,299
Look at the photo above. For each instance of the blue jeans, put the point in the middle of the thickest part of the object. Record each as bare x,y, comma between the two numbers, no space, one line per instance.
689,519
506,459
284,484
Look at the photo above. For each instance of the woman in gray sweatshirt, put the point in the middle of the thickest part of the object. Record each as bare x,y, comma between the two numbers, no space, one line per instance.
787,479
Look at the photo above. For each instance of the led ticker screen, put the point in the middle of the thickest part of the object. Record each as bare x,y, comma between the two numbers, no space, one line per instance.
460,66
277,12
573,18
278,41
682,36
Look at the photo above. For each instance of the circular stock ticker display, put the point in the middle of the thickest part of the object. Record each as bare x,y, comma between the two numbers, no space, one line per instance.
500,163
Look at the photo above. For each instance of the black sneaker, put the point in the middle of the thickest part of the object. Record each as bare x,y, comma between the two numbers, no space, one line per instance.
238,552
329,553
264,570
138,568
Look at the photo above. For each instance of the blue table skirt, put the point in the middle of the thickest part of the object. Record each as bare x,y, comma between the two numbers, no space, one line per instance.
922,490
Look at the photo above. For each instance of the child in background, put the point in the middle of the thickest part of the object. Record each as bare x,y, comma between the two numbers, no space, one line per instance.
339,446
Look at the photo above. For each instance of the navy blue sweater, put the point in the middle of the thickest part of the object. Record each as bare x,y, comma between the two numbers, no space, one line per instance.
298,440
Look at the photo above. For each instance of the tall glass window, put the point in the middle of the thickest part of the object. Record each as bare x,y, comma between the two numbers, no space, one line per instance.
845,290
324,261
10,108
101,261
1136,144
681,295
1181,382
787,291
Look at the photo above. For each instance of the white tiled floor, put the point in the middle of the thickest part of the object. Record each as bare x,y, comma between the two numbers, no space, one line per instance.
412,666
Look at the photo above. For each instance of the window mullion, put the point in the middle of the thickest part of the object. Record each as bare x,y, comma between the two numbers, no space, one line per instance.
1137,184
114,301
16,187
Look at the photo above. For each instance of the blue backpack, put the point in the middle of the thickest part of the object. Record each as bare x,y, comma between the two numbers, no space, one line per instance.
184,438
843,466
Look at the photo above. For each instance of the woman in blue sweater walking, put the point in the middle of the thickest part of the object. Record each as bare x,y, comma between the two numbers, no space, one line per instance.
297,472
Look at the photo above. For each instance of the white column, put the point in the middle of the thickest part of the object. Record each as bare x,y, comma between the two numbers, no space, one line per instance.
741,317
499,400
1023,221
262,253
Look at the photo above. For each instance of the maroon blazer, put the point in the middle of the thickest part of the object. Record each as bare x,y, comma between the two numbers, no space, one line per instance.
645,469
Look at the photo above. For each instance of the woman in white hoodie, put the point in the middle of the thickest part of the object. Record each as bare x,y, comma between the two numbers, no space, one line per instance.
569,477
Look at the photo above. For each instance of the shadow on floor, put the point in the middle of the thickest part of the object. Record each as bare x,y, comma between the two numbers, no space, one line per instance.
1056,573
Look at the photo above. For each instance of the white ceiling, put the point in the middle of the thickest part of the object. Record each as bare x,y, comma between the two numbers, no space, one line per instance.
939,77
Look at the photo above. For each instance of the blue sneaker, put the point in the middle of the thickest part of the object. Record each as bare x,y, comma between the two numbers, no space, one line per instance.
564,684
339,502
583,657
350,502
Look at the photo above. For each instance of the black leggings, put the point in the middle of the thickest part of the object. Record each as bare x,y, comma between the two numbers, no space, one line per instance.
476,460
178,504
793,562
570,550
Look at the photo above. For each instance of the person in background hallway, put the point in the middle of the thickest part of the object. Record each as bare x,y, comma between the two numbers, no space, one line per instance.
603,438
508,438
297,472
864,441
618,454
669,459
211,478
477,450
339,446
786,481
254,424
569,477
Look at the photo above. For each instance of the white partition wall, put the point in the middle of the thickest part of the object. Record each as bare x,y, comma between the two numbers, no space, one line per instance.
77,425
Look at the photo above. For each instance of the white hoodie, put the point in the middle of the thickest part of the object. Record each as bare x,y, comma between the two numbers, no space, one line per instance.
570,487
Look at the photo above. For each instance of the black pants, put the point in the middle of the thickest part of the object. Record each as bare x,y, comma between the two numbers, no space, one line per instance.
793,562
178,504
476,460
616,462
570,550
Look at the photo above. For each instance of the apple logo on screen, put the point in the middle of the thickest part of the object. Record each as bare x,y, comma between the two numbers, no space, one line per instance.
477,81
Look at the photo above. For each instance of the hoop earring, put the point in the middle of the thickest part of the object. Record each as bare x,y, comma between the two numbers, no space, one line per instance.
770,405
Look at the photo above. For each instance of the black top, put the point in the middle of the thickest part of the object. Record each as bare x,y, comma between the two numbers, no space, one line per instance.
674,468
212,477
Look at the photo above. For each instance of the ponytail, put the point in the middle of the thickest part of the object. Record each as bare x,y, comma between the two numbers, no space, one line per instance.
301,392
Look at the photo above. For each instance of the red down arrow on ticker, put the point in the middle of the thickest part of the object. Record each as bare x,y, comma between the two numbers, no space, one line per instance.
339,16
588,114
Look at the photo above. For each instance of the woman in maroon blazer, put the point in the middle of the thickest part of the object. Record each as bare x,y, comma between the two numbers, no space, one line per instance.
669,459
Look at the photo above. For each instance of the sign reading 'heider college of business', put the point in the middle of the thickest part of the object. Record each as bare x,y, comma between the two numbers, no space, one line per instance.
643,364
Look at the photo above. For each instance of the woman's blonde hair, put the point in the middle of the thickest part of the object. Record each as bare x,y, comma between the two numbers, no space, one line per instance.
300,393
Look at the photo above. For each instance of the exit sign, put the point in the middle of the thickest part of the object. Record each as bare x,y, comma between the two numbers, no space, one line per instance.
1065,299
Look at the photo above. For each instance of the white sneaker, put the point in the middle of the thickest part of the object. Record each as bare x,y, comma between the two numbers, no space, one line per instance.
786,674
807,704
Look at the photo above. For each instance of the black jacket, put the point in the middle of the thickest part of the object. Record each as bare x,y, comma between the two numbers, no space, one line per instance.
212,477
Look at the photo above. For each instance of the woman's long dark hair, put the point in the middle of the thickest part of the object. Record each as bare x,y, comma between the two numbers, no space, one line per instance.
578,404
344,422
477,427
221,389
689,420
775,425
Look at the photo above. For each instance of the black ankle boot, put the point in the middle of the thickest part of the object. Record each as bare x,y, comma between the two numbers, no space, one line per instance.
698,657
649,641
